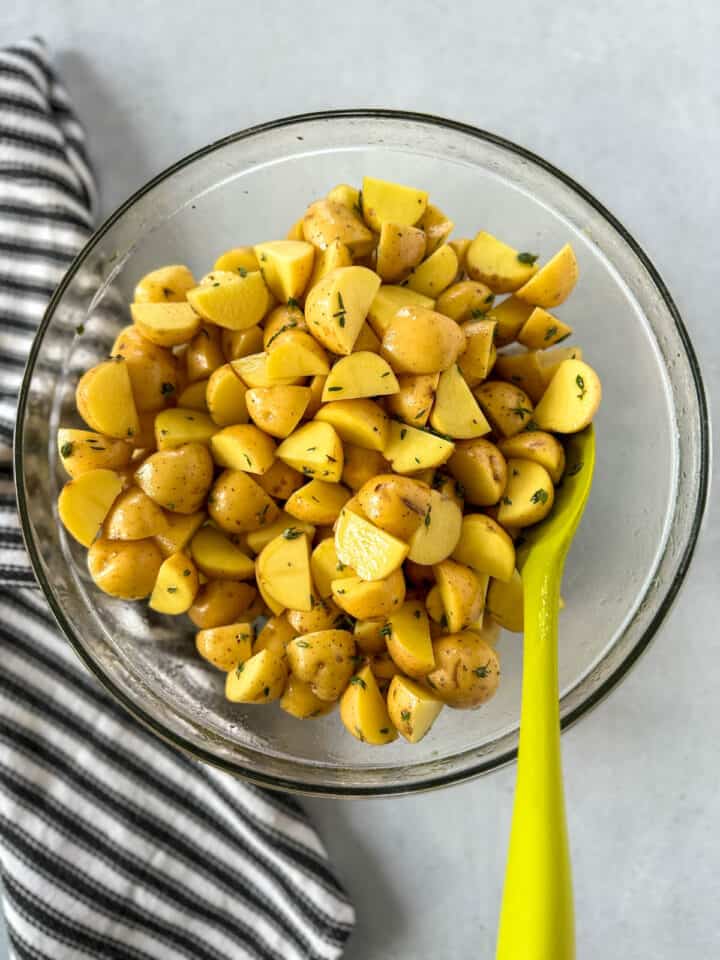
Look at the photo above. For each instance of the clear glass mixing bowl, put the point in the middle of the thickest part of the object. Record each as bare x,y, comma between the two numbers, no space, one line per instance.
637,536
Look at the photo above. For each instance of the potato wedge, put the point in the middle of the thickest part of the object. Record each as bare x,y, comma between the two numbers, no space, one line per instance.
83,450
421,341
462,593
369,599
465,300
481,469
277,410
529,495
360,422
485,547
525,370
315,450
505,603
236,344
373,553
550,360
414,399
164,285
409,449
237,260
225,397
243,447
288,316
554,282
456,412
361,465
166,324
286,267
258,539
153,370
364,712
293,354
571,399
542,329
177,480
194,397
324,659
436,226
134,516
383,668
400,249
325,567
337,306
126,569
225,647
231,300
178,531
346,195
362,374
461,248
409,643
283,567
480,355
238,504
280,481
300,702
370,635
508,408
220,602
177,427
412,709
396,504
335,255
438,534
204,353
510,316
260,679
497,265
388,300
384,202
324,615
85,502
434,606
467,672
318,502
105,400
326,221
275,636
218,557
436,273
541,447
176,586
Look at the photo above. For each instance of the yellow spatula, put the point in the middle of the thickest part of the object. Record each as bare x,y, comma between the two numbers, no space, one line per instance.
536,922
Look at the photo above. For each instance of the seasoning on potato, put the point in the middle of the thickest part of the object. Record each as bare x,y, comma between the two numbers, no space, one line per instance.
346,431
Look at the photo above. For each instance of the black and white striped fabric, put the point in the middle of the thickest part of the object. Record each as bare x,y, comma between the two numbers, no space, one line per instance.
113,845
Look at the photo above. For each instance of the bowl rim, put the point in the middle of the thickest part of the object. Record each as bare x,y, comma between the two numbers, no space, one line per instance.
272,781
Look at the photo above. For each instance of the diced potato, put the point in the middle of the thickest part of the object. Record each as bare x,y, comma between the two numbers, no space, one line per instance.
318,502
286,266
460,589
346,195
465,300
541,447
269,601
362,374
153,370
260,679
388,300
177,480
510,317
286,317
105,401
225,647
241,343
283,567
337,306
194,397
225,397
178,531
277,410
85,501
166,324
481,469
240,260
399,250
325,567
280,481
231,300
253,371
258,539
220,602
485,547
467,672
324,659
373,553
335,255
571,399
419,340
437,227
395,504
300,702
508,408
218,558
434,605
498,265
176,586
525,370
238,504
456,411
414,399
528,497
412,709
409,642
505,602
327,220
296,231
364,712
315,450
554,282
480,355
126,569
438,534
542,329
360,422
367,340
409,449
383,668
370,635
383,202
295,353
164,285
204,353
316,387
461,248
177,427
361,465
436,273
324,615
550,360
243,447
368,599
83,450
134,516
275,635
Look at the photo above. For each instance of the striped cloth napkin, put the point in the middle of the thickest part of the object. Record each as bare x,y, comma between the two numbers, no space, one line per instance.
112,845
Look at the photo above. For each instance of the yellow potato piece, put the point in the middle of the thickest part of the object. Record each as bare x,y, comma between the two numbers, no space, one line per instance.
480,355
105,401
508,408
345,194
415,397
275,636
362,374
318,502
394,503
283,567
456,411
134,516
225,397
241,343
462,593
360,422
409,449
384,201
179,531
178,426
166,324
295,353
388,300
571,399
217,557
409,642
361,465
258,539
225,647
335,255
325,567
287,316
436,273
367,340
204,353
83,450
164,285
468,669
220,602
434,605
525,370
373,553
323,616
510,315
542,329
280,480
461,248
326,221
315,450
270,602
554,282
336,307
238,504
176,586
177,480
481,470
296,231
239,259
324,659
300,702
438,534
497,265
485,547
286,266
528,497
541,447
277,410
421,341
231,300
436,226
550,360
260,679
399,250
126,569
85,501
243,447
370,635
364,712
194,396
412,709
465,300
505,603
368,599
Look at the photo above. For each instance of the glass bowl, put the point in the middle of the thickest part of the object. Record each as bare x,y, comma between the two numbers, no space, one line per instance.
636,539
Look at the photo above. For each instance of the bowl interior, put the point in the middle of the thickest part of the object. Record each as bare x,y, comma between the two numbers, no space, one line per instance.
641,521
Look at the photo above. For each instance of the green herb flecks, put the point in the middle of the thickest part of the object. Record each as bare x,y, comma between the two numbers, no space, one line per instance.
540,496
66,450
550,333
482,672
529,258
291,533
358,682
581,386
521,411
341,311
405,716
167,388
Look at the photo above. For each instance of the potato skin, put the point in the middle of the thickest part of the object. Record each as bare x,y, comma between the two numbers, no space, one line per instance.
177,479
481,469
467,672
125,568
220,603
324,660
419,340
153,370
395,504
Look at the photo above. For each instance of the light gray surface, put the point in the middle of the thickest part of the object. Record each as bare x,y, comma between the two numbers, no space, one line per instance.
626,99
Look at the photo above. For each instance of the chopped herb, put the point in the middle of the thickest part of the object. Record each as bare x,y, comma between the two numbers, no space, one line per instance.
286,326
291,533
167,388
130,431
172,589
417,459
421,414
186,572
249,461
302,643
308,471
217,283
540,496
314,498
66,449
563,337
482,672
242,271
330,459
340,566
310,449
359,734
515,473
531,425
167,292
403,433
417,614
383,730
340,313
344,622
444,621
459,489
489,298
239,669
581,386
359,682
507,501
333,389
427,515
261,513
575,469
80,329
263,257
189,418
529,258
550,333
386,374
386,630
477,314
292,302
266,691
163,433
521,411
171,506
405,716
